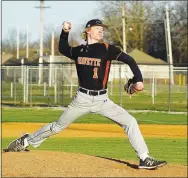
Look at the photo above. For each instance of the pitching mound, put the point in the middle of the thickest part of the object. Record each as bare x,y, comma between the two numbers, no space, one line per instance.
60,164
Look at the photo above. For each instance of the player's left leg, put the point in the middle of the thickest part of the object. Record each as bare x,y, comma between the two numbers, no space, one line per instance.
79,106
120,116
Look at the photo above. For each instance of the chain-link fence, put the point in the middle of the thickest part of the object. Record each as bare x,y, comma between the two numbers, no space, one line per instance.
58,83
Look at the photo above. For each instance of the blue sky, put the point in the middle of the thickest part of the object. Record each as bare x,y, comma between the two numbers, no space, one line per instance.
17,14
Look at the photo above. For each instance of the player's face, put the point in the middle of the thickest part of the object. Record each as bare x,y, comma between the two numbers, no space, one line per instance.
96,32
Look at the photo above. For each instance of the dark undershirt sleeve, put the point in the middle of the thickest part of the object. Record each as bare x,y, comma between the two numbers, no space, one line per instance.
64,47
116,54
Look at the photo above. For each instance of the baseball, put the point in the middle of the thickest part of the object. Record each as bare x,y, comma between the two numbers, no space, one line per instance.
65,26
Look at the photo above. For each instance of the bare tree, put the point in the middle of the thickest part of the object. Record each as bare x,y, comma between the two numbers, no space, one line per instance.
155,43
178,17
145,27
136,16
9,43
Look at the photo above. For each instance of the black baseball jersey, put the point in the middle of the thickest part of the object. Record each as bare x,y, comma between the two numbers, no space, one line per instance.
93,62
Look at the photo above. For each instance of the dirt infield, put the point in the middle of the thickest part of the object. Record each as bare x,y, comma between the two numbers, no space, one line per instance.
60,164
97,130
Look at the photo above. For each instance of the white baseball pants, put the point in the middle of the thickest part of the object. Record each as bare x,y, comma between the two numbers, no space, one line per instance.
83,104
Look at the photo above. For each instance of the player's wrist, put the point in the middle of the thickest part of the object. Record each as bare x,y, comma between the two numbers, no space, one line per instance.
66,31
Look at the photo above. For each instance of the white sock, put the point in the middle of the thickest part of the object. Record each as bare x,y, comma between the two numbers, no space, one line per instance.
143,156
26,143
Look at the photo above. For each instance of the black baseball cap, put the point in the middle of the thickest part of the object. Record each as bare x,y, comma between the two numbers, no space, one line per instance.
95,22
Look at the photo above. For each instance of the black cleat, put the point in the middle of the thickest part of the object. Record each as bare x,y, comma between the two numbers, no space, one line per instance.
151,163
17,145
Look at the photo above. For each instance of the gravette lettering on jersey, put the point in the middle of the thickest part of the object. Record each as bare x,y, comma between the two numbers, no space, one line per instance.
89,61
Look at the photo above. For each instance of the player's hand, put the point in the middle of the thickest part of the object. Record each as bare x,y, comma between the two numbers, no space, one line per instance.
67,26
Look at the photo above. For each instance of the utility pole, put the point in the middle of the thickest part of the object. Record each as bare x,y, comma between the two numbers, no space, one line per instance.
169,53
124,48
27,43
51,73
124,30
168,44
41,40
141,26
52,44
18,43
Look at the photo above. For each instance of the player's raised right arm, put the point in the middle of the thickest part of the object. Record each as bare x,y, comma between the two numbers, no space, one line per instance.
64,47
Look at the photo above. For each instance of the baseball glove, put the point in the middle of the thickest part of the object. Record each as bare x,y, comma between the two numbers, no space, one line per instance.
130,88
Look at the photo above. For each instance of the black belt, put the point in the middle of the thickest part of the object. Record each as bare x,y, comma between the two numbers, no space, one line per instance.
93,93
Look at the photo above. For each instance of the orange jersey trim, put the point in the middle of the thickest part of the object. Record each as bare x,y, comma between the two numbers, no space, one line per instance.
106,44
106,73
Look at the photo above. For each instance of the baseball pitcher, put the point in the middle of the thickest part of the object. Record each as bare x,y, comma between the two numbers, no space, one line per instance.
93,62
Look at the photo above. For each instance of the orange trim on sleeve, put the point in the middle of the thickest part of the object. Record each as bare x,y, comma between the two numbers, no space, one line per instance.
106,73
106,44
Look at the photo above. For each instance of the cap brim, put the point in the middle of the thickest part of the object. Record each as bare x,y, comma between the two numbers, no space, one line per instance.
105,26
102,25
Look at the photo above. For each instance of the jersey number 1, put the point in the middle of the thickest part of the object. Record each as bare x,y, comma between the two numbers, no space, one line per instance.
95,70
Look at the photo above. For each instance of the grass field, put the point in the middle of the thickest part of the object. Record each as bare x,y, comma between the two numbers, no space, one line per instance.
171,150
50,115
142,100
